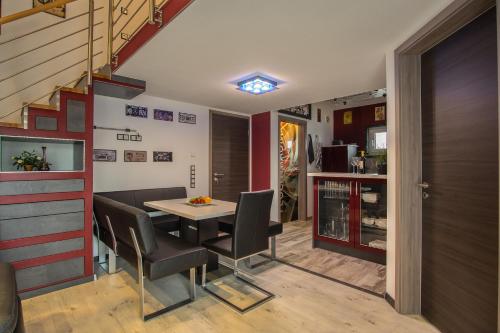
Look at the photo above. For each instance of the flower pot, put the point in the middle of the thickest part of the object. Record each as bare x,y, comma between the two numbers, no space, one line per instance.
28,167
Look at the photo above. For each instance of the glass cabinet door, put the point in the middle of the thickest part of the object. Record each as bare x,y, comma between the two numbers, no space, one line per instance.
333,209
372,231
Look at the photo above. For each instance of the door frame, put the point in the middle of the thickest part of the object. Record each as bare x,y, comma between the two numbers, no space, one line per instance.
408,145
302,215
211,112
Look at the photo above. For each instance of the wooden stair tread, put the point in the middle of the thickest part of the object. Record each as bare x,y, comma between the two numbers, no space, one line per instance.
42,106
69,89
13,125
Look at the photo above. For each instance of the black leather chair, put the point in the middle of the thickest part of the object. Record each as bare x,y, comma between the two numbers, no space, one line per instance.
155,253
274,229
11,312
249,236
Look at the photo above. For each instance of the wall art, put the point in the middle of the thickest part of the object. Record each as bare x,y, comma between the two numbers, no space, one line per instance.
162,156
380,113
135,156
347,117
104,155
301,111
163,115
136,111
122,137
59,11
137,137
187,118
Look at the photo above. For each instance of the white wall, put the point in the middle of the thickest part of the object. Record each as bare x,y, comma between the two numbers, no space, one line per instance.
325,132
188,143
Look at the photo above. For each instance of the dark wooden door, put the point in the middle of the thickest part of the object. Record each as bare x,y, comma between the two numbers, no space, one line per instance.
229,156
460,163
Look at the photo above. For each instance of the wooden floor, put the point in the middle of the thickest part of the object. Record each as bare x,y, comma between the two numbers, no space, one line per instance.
303,303
294,247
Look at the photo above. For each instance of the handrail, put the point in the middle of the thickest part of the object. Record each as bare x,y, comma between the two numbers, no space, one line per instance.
49,26
48,77
34,10
48,43
121,14
47,60
146,20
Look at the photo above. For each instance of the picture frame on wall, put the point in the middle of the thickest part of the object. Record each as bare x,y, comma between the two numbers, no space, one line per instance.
318,114
122,137
187,118
136,137
380,113
136,111
163,115
135,156
104,155
347,117
301,111
162,156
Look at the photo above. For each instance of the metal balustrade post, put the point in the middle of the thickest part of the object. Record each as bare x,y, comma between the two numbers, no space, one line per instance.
90,55
151,11
110,33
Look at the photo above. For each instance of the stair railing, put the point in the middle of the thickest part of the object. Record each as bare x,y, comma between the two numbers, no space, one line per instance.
24,87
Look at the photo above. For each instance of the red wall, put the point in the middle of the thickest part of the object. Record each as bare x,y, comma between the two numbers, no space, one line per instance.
261,151
362,118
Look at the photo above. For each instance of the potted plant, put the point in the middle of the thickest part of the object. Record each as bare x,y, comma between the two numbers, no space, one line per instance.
382,163
27,161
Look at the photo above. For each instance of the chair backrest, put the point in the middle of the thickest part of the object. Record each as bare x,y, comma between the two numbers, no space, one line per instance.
122,217
251,223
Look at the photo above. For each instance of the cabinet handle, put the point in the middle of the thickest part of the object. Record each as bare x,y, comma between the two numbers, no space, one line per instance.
356,189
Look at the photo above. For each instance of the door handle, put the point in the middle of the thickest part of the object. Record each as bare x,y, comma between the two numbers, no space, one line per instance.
423,185
218,174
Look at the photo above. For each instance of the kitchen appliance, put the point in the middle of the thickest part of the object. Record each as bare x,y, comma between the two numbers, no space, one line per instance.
337,158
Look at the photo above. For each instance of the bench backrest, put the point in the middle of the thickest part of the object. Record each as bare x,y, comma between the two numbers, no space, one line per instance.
137,198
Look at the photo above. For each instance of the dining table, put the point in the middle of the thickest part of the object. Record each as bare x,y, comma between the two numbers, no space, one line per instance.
198,222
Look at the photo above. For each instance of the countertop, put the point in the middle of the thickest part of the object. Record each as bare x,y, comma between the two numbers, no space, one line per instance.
346,175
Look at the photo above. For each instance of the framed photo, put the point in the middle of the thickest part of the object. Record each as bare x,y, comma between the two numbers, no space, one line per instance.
301,111
137,137
122,137
135,156
318,115
162,156
163,115
187,118
380,113
59,11
136,111
104,155
347,117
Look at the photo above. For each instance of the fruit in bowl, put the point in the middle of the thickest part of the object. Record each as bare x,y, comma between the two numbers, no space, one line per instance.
200,200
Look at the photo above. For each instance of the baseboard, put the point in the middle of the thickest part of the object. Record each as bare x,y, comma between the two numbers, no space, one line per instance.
64,285
390,300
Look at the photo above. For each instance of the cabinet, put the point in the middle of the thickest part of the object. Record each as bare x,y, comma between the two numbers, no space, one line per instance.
350,216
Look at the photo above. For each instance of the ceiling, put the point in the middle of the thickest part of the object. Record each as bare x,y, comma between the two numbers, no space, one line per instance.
320,48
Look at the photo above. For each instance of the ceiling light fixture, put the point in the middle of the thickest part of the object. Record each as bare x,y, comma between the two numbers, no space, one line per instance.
257,85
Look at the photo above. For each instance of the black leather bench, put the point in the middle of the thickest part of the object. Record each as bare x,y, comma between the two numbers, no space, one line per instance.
11,312
136,198
154,252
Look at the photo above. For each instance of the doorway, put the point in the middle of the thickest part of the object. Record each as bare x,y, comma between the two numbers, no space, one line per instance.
229,162
292,169
446,170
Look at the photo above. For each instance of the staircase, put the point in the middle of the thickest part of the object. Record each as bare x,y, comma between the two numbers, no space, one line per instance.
50,70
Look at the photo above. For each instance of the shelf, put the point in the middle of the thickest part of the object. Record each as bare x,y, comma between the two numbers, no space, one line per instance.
372,226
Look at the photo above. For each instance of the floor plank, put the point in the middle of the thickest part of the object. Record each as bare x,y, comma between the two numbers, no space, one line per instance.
303,303
294,246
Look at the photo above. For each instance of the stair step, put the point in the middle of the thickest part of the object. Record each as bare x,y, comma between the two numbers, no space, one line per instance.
13,125
43,106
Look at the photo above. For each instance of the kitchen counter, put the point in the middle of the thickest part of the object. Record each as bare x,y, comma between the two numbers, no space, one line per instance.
346,175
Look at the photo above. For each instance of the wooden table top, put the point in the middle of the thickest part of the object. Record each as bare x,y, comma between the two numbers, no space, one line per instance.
180,208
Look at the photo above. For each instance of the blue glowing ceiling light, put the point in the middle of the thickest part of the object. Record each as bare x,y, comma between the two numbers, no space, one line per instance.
257,85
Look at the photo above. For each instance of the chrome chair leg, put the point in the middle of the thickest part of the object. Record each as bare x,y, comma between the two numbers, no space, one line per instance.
192,283
111,261
204,276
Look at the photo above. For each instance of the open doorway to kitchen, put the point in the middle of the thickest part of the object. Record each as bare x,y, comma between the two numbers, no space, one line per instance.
292,170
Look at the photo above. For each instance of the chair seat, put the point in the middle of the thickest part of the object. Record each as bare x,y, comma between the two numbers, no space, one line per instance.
226,225
8,300
167,223
173,255
222,245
